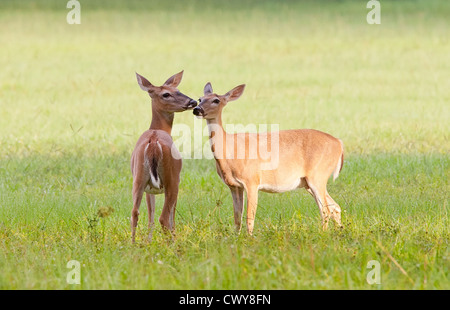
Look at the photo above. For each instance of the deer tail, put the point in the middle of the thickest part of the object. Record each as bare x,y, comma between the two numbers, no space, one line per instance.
340,163
153,157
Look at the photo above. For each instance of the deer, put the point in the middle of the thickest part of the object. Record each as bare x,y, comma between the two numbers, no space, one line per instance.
304,158
155,161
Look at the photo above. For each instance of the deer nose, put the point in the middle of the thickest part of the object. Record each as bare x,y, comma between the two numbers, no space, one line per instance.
192,103
198,111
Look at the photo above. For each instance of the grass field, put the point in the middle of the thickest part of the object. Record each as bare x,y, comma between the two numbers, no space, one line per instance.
71,112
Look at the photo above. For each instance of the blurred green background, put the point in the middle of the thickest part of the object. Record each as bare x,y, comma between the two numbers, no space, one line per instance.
306,64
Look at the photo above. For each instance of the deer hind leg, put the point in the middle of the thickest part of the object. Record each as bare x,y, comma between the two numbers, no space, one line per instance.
167,218
335,209
151,214
137,192
318,191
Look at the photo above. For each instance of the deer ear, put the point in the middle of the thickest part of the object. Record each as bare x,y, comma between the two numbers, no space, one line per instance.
144,83
235,93
208,89
174,80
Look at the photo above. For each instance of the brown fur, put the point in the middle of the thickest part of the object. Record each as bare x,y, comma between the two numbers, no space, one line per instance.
306,158
155,162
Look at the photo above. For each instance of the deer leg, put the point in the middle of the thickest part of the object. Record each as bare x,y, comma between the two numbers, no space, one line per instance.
151,214
335,209
319,194
137,192
167,218
238,206
252,204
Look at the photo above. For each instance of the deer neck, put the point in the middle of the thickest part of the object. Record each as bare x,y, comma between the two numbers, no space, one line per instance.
217,137
161,120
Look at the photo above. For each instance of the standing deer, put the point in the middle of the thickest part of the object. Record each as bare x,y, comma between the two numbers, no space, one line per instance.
156,162
304,158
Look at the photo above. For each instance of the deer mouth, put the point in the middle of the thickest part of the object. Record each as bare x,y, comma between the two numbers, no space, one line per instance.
192,104
199,112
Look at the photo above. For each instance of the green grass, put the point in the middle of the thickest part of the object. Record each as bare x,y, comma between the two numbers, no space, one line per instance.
71,111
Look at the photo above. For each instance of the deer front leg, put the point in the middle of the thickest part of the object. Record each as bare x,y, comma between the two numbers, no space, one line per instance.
238,206
252,204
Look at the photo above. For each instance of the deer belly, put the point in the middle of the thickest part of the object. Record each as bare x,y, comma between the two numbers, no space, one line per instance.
282,187
153,191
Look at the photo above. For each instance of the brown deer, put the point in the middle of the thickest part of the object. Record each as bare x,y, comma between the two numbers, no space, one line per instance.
156,162
298,158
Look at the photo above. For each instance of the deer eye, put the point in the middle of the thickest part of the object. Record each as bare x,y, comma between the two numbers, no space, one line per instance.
199,100
216,101
166,95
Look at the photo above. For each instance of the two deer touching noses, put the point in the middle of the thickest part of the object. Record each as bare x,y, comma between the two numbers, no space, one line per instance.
305,158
